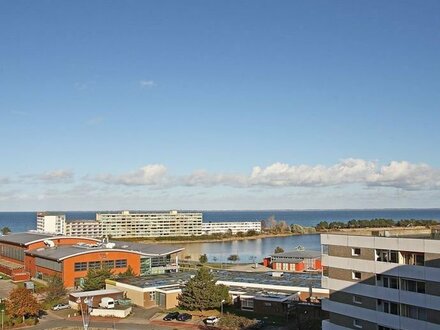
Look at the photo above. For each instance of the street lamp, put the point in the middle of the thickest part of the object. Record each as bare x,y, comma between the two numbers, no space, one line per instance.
222,306
85,312
3,312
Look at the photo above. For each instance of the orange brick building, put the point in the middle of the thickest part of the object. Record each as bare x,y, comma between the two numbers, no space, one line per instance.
295,261
41,256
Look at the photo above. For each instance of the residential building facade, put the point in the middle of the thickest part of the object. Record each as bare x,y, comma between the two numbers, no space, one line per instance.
381,283
234,227
150,224
84,228
48,222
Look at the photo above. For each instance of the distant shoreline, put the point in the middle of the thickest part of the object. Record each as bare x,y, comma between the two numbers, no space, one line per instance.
214,240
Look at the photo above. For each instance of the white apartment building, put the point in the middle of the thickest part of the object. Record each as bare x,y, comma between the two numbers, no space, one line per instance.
48,222
381,283
84,228
234,227
150,224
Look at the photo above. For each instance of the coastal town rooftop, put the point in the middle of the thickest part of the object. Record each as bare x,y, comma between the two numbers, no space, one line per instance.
241,279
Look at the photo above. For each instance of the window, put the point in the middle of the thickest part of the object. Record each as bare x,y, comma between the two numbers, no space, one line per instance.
109,264
247,304
356,275
94,264
357,323
387,256
357,300
324,249
80,266
122,263
387,281
381,327
413,286
413,258
325,271
389,307
413,312
355,252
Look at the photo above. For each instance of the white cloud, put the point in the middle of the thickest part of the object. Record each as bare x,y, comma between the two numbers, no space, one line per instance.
147,83
148,175
56,176
406,176
280,174
401,174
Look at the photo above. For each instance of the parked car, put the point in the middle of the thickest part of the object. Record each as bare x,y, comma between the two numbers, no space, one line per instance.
212,320
171,316
107,302
60,307
184,317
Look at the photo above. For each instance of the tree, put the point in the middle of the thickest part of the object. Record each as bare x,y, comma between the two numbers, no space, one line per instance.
55,289
95,279
233,257
22,303
5,230
279,249
201,292
128,273
203,259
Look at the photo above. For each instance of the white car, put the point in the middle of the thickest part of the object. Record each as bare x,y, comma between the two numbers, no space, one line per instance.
60,307
212,320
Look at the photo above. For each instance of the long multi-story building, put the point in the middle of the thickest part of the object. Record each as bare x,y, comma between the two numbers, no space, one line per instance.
124,224
50,222
381,282
150,224
234,227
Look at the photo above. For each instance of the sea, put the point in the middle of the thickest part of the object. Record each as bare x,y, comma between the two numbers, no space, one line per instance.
23,221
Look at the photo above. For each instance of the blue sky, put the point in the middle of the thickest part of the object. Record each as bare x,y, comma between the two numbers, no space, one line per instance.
219,104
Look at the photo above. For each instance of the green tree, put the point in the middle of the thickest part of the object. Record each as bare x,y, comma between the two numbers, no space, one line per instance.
279,249
201,292
5,230
128,273
322,225
95,279
203,259
22,303
233,257
55,289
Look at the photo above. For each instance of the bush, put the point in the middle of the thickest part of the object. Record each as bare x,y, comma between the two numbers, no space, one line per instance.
230,321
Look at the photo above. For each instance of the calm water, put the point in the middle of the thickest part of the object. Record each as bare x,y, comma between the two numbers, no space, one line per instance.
259,248
249,250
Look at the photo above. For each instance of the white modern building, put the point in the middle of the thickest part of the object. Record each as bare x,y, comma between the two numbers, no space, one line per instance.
150,224
233,227
53,223
84,228
381,282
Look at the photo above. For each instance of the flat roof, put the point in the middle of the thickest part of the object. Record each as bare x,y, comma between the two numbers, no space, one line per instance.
81,294
288,279
24,238
299,254
62,252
